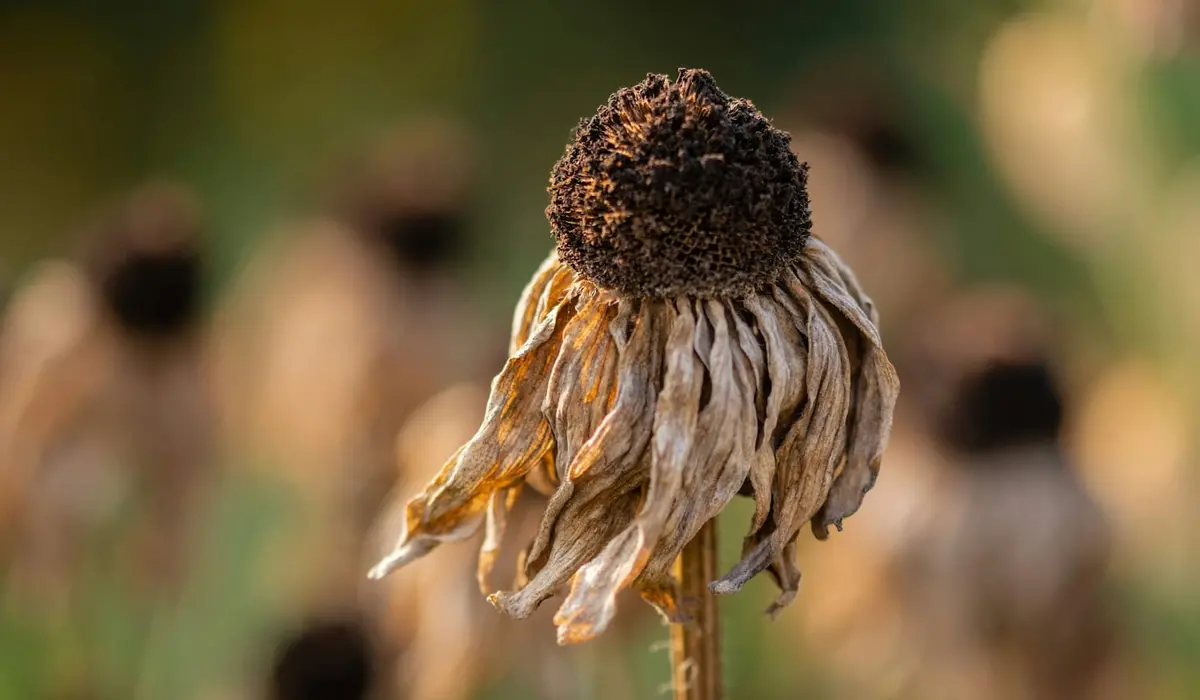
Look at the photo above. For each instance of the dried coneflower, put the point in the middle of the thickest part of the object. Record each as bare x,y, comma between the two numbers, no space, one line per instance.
104,389
410,197
1003,616
689,340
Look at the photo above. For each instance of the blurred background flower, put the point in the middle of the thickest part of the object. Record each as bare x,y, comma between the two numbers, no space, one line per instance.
362,185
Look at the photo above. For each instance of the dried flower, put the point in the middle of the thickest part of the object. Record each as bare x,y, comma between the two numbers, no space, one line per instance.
1007,616
409,196
104,386
688,341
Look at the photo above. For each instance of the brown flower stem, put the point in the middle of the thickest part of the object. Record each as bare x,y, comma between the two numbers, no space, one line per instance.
696,645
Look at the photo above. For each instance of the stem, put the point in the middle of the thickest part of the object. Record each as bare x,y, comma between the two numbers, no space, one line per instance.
696,645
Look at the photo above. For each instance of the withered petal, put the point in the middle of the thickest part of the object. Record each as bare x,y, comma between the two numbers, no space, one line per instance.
592,600
722,449
578,392
499,506
876,387
525,316
584,527
512,440
787,358
813,445
623,435
600,488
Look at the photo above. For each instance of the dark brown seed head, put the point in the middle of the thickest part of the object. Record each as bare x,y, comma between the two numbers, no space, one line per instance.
409,194
146,262
674,188
1005,404
324,660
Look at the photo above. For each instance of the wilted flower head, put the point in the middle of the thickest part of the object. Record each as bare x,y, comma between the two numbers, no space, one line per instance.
1007,404
104,394
688,341
410,194
1043,595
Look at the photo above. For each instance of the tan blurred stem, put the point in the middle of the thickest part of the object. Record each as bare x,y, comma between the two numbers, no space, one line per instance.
696,645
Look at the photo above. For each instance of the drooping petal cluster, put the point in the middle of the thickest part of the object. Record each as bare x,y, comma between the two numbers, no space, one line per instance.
643,418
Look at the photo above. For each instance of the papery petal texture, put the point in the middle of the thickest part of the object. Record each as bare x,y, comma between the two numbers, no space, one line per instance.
643,418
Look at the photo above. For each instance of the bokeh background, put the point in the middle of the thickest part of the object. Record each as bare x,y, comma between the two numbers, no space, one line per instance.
245,245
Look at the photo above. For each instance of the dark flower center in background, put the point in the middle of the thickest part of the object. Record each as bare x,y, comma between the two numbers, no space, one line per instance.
676,188
1007,404
324,661
146,263
887,144
155,294
431,241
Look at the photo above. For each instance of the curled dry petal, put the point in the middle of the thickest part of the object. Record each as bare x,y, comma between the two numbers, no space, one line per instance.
533,304
498,508
645,417
592,601
876,386
811,448
514,436
722,452
613,461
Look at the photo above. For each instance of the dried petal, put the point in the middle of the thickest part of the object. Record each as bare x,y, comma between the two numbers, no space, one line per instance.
583,529
787,359
876,387
525,317
599,490
498,508
723,447
592,601
512,439
623,435
578,394
812,448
